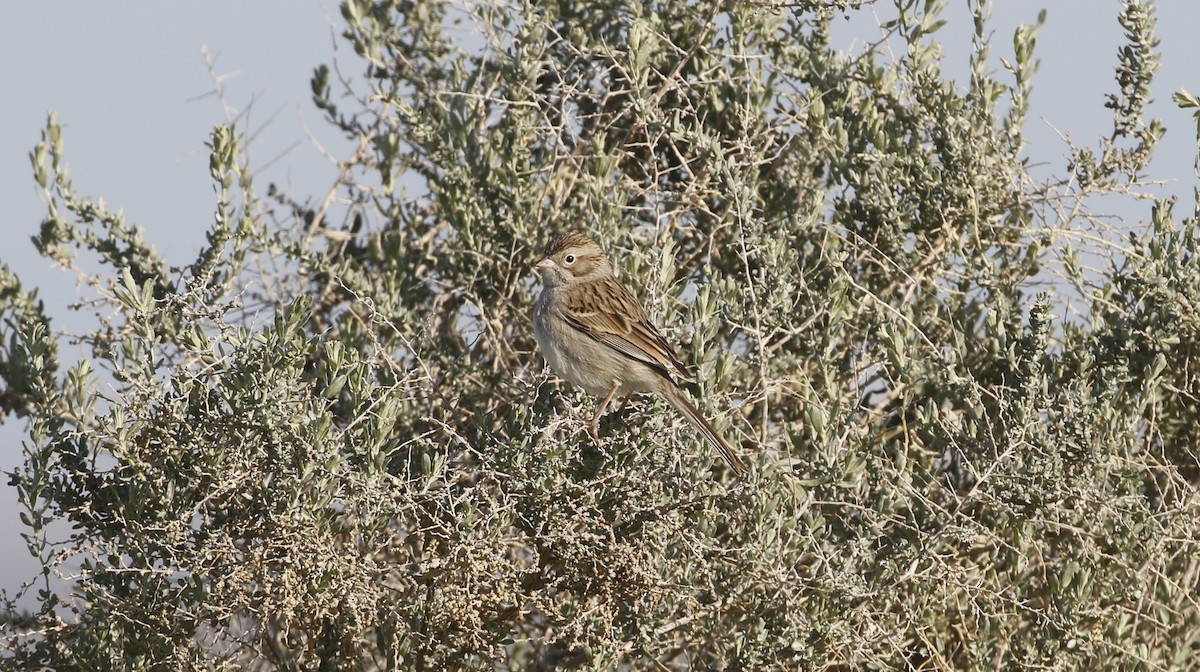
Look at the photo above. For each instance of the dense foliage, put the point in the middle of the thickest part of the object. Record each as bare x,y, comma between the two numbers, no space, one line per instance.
970,407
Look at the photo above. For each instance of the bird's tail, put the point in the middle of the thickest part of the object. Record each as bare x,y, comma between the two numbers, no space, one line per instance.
680,402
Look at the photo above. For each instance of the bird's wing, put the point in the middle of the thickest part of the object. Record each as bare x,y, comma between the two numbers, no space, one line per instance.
612,316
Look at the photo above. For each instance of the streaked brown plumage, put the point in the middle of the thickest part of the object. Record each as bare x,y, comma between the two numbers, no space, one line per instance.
594,333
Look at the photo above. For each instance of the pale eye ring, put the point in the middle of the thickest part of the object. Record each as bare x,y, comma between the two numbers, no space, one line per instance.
570,259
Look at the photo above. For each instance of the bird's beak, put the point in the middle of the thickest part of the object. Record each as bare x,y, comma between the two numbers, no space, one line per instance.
544,262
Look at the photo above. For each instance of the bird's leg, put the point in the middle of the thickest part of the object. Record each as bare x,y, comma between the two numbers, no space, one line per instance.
594,425
624,403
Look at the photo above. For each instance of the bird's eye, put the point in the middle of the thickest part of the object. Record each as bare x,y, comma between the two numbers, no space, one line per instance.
570,259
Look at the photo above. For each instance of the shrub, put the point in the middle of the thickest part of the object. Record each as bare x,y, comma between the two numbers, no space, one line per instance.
330,443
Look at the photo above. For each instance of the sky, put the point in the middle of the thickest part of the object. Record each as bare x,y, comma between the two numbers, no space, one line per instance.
133,86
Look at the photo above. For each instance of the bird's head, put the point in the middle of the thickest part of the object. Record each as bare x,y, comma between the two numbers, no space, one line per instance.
572,258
